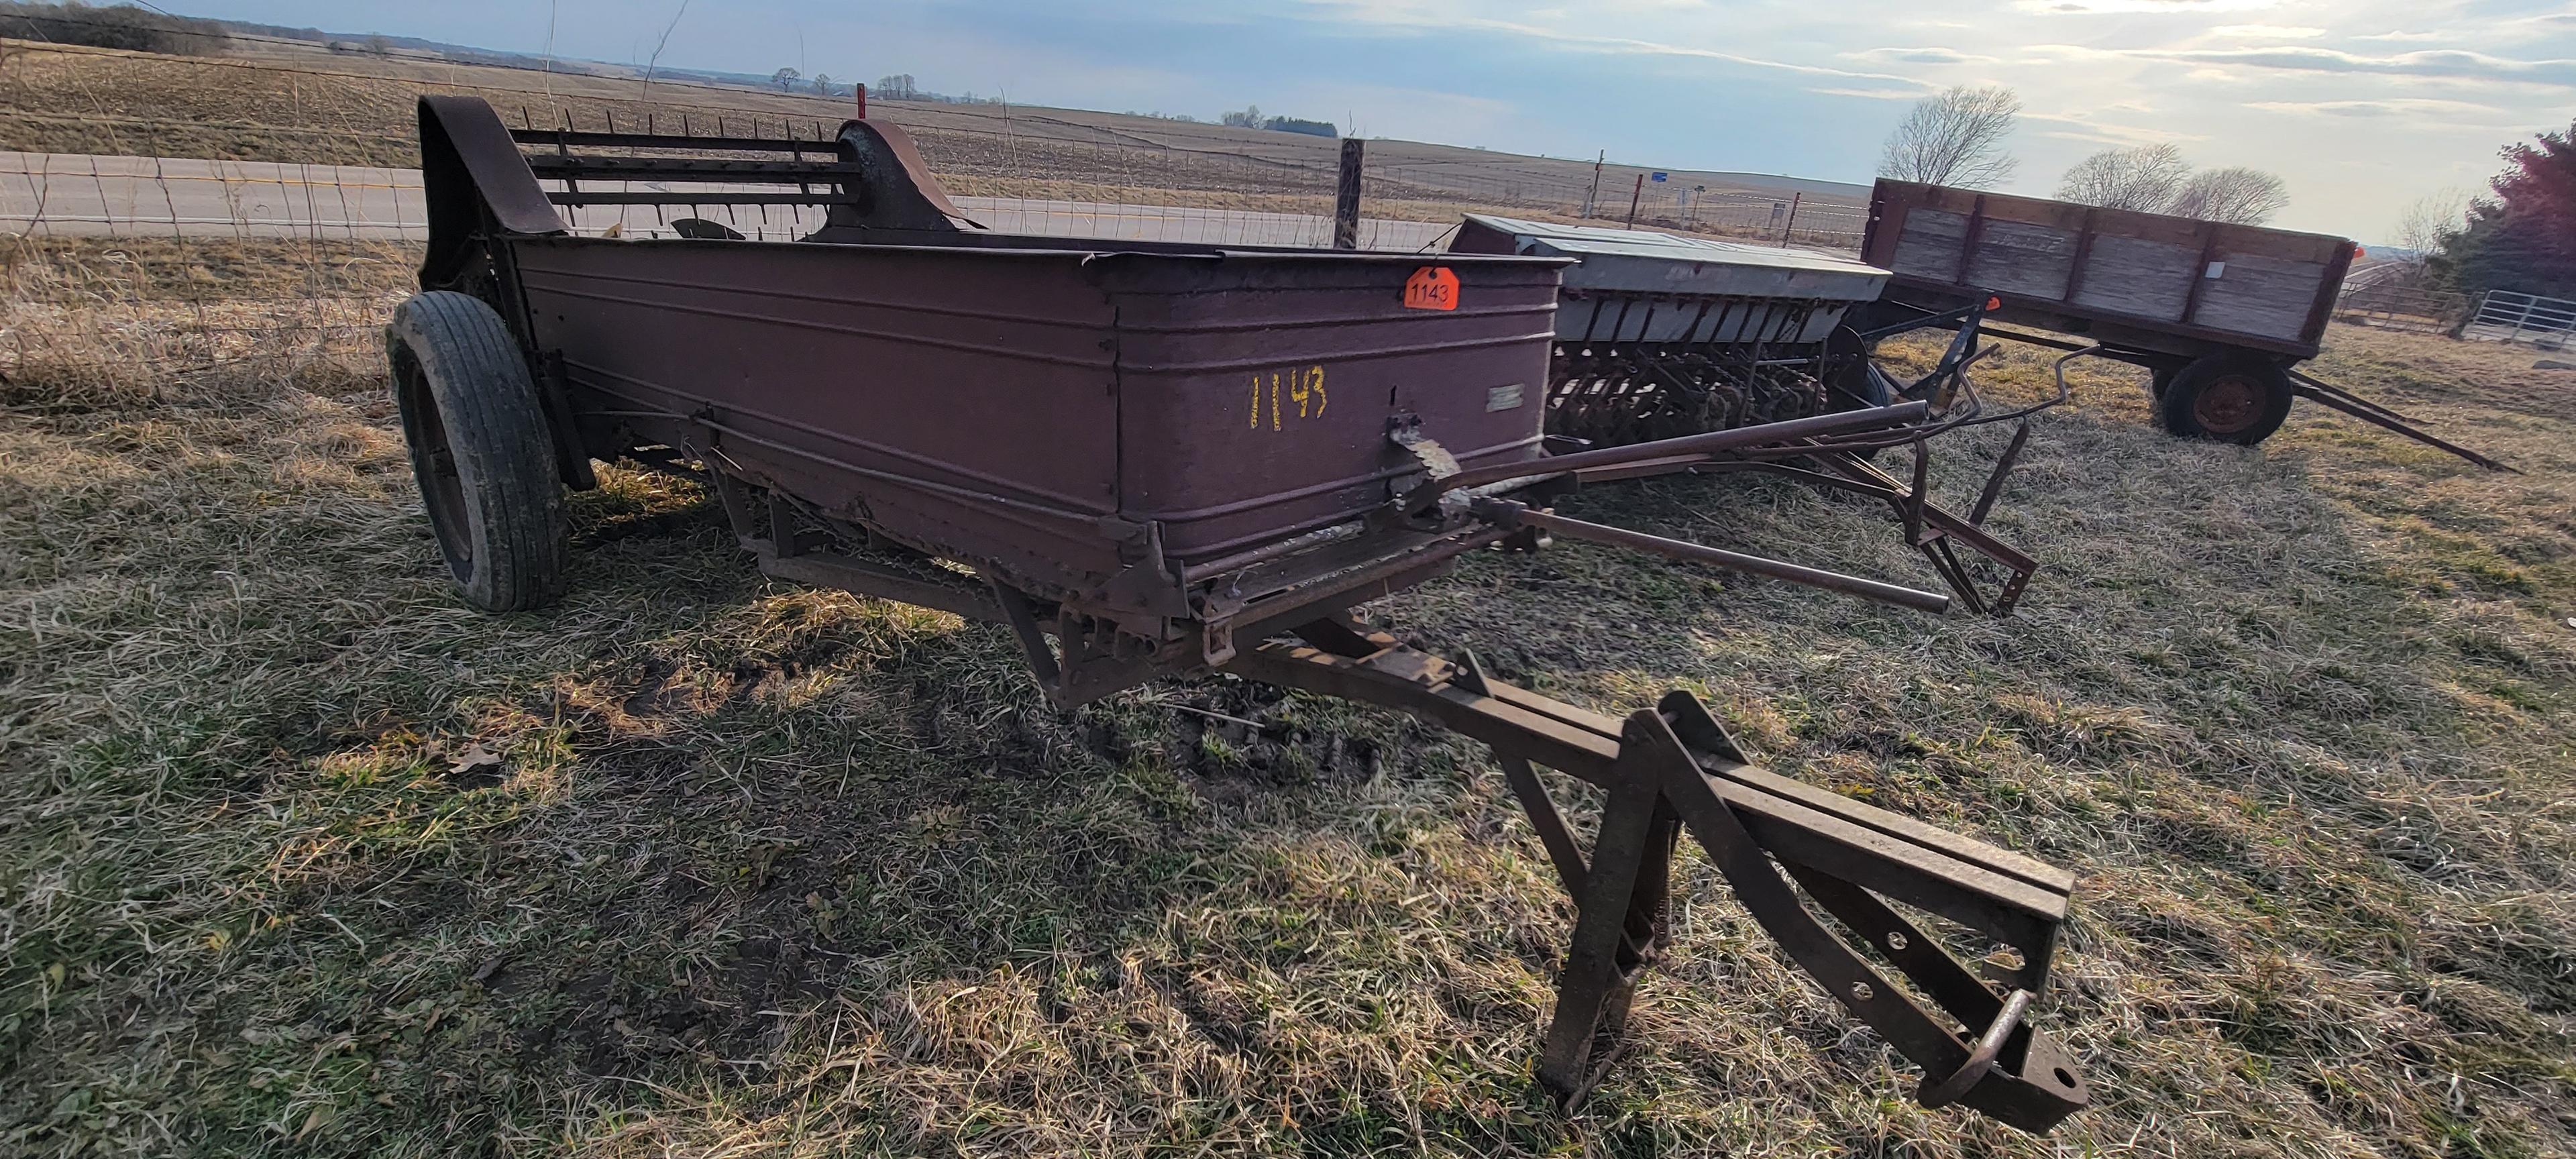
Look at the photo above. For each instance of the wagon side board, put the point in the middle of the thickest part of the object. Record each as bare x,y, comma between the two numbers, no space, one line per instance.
2150,281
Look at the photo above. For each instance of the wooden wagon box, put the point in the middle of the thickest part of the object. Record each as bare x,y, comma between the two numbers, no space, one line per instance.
2146,280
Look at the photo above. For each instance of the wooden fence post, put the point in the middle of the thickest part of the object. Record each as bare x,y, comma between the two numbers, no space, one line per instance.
1346,204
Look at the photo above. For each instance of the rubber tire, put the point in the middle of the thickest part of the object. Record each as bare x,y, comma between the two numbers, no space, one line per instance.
2159,379
494,498
2270,384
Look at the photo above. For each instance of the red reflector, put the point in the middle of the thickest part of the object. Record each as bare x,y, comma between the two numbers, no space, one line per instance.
1994,303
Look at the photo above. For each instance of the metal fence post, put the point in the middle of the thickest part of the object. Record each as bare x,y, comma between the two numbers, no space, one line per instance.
1791,226
1346,203
1633,196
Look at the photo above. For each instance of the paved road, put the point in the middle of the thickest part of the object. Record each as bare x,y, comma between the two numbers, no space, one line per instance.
85,195
91,196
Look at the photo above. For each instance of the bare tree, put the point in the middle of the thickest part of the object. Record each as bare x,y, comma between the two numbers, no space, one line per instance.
899,87
1249,118
650,64
2143,178
2235,194
1955,138
785,79
2429,221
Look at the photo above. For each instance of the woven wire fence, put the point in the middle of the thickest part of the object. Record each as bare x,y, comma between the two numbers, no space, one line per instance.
2390,305
180,212
1437,191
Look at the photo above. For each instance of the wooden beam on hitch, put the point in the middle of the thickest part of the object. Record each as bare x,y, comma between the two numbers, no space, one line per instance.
1672,769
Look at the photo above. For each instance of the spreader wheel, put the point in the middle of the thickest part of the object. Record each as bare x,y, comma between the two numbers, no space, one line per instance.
2232,398
481,449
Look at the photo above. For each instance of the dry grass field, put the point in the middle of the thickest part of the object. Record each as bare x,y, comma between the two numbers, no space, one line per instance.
274,103
300,856
86,322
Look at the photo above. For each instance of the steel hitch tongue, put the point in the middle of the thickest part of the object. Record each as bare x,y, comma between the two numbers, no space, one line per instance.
1787,849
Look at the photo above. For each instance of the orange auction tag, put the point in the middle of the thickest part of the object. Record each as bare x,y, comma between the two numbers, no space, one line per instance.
1431,288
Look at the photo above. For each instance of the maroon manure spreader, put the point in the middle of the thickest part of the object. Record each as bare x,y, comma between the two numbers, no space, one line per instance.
1150,460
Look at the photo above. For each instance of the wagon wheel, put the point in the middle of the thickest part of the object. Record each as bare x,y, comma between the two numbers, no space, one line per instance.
481,449
2231,398
1847,370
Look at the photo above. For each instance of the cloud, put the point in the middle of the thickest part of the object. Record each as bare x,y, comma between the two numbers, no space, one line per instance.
2265,32
1447,16
1919,56
1872,94
2396,107
2542,27
2100,132
2161,7
2433,64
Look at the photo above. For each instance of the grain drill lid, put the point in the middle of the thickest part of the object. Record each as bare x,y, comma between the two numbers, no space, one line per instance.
1649,262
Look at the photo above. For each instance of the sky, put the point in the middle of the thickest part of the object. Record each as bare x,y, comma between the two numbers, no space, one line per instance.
2362,106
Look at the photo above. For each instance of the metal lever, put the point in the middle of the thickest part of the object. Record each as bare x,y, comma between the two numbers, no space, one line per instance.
1513,515
1423,498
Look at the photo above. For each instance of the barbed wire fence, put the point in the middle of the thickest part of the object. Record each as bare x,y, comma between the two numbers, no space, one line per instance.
164,213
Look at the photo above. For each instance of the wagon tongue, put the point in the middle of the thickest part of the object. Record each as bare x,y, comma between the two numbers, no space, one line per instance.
1673,768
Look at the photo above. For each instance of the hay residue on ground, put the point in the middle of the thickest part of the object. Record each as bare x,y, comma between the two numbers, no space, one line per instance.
299,856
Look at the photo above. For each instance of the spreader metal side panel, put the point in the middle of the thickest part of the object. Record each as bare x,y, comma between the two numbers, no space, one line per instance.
960,399
1257,391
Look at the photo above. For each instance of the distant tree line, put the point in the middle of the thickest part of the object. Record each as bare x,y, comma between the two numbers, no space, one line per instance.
903,86
113,26
1250,118
1297,125
892,87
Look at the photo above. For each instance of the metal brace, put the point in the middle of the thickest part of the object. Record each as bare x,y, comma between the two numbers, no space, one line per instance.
1673,768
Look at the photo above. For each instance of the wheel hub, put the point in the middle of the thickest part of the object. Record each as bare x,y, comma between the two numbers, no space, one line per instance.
442,488
2227,405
